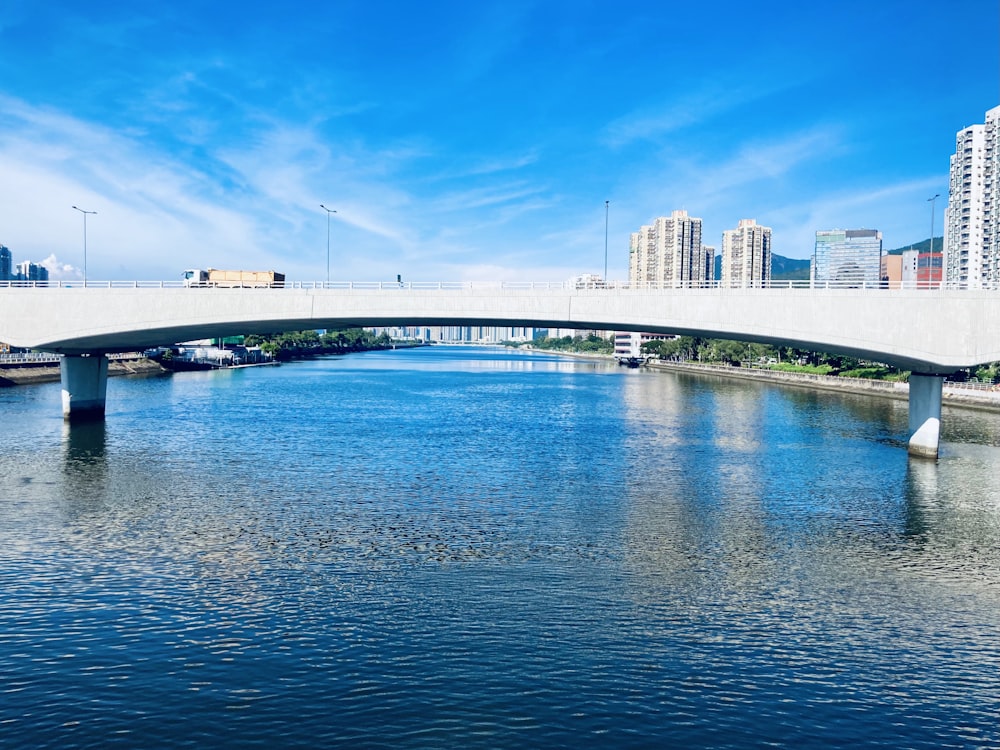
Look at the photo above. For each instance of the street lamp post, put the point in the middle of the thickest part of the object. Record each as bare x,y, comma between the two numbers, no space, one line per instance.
930,262
931,201
84,241
606,242
328,212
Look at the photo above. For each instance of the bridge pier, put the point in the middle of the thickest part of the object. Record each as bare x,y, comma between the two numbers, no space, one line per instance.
925,414
84,387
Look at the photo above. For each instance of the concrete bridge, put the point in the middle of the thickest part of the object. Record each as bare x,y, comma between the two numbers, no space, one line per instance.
931,332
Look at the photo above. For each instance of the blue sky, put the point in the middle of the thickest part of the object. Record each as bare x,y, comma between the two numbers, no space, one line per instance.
471,140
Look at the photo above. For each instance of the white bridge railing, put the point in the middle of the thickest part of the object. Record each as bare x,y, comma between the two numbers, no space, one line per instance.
503,285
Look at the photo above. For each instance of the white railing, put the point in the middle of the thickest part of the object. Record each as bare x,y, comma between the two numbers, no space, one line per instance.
515,285
28,358
971,385
12,359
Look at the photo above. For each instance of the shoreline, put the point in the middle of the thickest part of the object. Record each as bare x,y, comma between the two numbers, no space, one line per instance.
11,377
952,394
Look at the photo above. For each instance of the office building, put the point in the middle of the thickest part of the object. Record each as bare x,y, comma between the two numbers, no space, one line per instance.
847,257
972,220
28,271
6,263
669,252
746,255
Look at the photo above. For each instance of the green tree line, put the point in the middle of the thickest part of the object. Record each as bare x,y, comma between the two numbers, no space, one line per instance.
744,354
590,344
290,344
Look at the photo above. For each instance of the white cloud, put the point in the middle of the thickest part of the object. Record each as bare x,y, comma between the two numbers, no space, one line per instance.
682,110
59,271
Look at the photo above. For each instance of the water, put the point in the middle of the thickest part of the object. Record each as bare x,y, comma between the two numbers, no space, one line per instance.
474,548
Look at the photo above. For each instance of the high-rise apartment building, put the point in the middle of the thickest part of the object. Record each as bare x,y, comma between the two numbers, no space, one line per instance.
972,218
847,257
669,251
746,254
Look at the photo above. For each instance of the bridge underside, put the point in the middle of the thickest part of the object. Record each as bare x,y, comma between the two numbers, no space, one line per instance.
139,340
930,333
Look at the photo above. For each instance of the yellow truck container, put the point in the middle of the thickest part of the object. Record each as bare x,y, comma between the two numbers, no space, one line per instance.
215,277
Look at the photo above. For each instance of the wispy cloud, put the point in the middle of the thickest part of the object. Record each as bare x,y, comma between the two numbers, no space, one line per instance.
701,102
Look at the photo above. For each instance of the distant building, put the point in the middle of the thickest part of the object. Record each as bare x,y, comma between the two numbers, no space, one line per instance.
746,254
916,269
628,344
460,334
892,271
847,257
708,258
6,264
28,271
930,269
908,267
669,251
972,218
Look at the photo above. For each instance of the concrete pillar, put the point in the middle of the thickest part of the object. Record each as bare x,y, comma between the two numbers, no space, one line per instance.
925,414
84,386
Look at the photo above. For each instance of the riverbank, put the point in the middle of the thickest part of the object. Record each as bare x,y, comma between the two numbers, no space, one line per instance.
953,394
49,373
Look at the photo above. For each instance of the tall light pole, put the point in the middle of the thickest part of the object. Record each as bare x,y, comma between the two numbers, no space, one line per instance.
606,242
84,241
328,212
931,200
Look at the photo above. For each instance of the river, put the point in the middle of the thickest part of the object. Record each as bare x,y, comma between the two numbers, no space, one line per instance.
484,548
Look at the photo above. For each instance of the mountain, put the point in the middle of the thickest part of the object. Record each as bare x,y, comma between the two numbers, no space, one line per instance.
782,268
923,246
788,269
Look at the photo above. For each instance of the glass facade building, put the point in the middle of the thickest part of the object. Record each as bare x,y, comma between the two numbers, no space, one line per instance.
6,263
850,257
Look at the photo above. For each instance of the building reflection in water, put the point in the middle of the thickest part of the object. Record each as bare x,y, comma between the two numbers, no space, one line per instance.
749,480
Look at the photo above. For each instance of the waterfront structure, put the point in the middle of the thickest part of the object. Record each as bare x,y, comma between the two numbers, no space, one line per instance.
6,264
746,254
669,251
847,256
972,218
628,344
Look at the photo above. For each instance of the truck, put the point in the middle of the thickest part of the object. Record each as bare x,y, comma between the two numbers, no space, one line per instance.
214,277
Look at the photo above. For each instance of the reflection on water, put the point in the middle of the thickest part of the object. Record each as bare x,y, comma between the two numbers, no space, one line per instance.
85,442
486,548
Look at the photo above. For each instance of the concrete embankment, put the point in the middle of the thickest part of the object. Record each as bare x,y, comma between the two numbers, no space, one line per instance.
31,374
953,394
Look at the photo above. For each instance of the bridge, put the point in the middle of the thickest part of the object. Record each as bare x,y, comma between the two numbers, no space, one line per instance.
931,332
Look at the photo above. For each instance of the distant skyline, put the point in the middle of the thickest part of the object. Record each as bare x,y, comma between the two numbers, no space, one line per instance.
472,141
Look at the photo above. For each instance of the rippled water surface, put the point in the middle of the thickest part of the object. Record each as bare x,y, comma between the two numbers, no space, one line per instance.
478,548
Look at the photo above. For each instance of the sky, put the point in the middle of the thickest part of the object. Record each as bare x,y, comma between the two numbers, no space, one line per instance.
471,141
